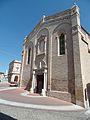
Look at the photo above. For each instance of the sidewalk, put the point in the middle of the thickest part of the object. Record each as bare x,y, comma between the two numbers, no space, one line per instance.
19,97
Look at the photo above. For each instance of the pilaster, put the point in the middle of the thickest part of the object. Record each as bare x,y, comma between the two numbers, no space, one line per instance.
45,83
75,20
33,82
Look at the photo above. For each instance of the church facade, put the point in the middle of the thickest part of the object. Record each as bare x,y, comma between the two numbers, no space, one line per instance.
56,58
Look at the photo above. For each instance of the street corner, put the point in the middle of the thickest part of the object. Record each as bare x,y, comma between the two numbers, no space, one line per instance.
22,98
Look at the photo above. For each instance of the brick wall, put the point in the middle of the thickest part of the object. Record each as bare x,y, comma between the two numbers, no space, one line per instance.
59,85
61,95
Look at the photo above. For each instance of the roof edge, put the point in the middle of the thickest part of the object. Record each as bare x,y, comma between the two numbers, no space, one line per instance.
85,30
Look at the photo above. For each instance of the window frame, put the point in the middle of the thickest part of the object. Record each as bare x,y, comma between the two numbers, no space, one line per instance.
29,56
39,49
59,47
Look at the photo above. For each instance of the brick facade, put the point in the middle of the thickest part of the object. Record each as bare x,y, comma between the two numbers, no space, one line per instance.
62,76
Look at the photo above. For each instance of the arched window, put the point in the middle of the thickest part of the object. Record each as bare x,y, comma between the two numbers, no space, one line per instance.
41,46
29,51
62,44
25,61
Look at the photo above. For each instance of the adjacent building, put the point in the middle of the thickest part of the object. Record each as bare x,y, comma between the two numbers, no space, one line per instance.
56,58
1,76
14,71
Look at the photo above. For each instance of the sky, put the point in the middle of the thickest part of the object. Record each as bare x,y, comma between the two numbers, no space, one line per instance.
19,17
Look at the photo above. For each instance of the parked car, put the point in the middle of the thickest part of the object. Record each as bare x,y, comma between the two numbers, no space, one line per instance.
13,84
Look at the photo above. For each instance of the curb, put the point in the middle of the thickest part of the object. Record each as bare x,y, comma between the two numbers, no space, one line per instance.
44,107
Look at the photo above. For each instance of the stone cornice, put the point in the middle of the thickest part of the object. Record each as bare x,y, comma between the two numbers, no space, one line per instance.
49,19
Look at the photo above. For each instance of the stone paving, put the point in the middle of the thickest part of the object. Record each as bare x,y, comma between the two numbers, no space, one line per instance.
4,85
18,95
15,95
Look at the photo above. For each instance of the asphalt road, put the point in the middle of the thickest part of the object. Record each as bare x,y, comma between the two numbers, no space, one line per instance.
18,113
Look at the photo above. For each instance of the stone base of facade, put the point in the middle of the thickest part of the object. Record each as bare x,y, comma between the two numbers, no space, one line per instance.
60,95
80,103
26,84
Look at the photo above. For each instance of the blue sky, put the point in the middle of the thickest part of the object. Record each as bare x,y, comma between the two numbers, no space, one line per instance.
19,17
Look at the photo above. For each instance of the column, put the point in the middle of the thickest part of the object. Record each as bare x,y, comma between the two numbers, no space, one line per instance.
45,83
35,50
38,51
33,82
86,100
45,44
45,48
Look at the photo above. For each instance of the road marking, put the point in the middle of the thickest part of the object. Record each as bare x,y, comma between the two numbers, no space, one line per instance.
9,88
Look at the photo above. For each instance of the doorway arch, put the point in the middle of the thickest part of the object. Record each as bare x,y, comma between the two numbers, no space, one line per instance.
16,79
40,83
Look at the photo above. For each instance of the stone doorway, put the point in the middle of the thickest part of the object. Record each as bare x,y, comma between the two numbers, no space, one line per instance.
40,83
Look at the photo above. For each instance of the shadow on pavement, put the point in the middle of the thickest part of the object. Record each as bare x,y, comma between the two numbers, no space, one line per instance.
5,117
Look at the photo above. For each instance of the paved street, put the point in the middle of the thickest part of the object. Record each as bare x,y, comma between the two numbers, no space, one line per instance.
17,104
34,114
4,85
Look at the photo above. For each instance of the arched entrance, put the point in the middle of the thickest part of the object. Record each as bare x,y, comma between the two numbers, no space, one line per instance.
16,79
40,83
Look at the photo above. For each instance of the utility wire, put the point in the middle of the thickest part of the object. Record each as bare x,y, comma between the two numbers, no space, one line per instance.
6,53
